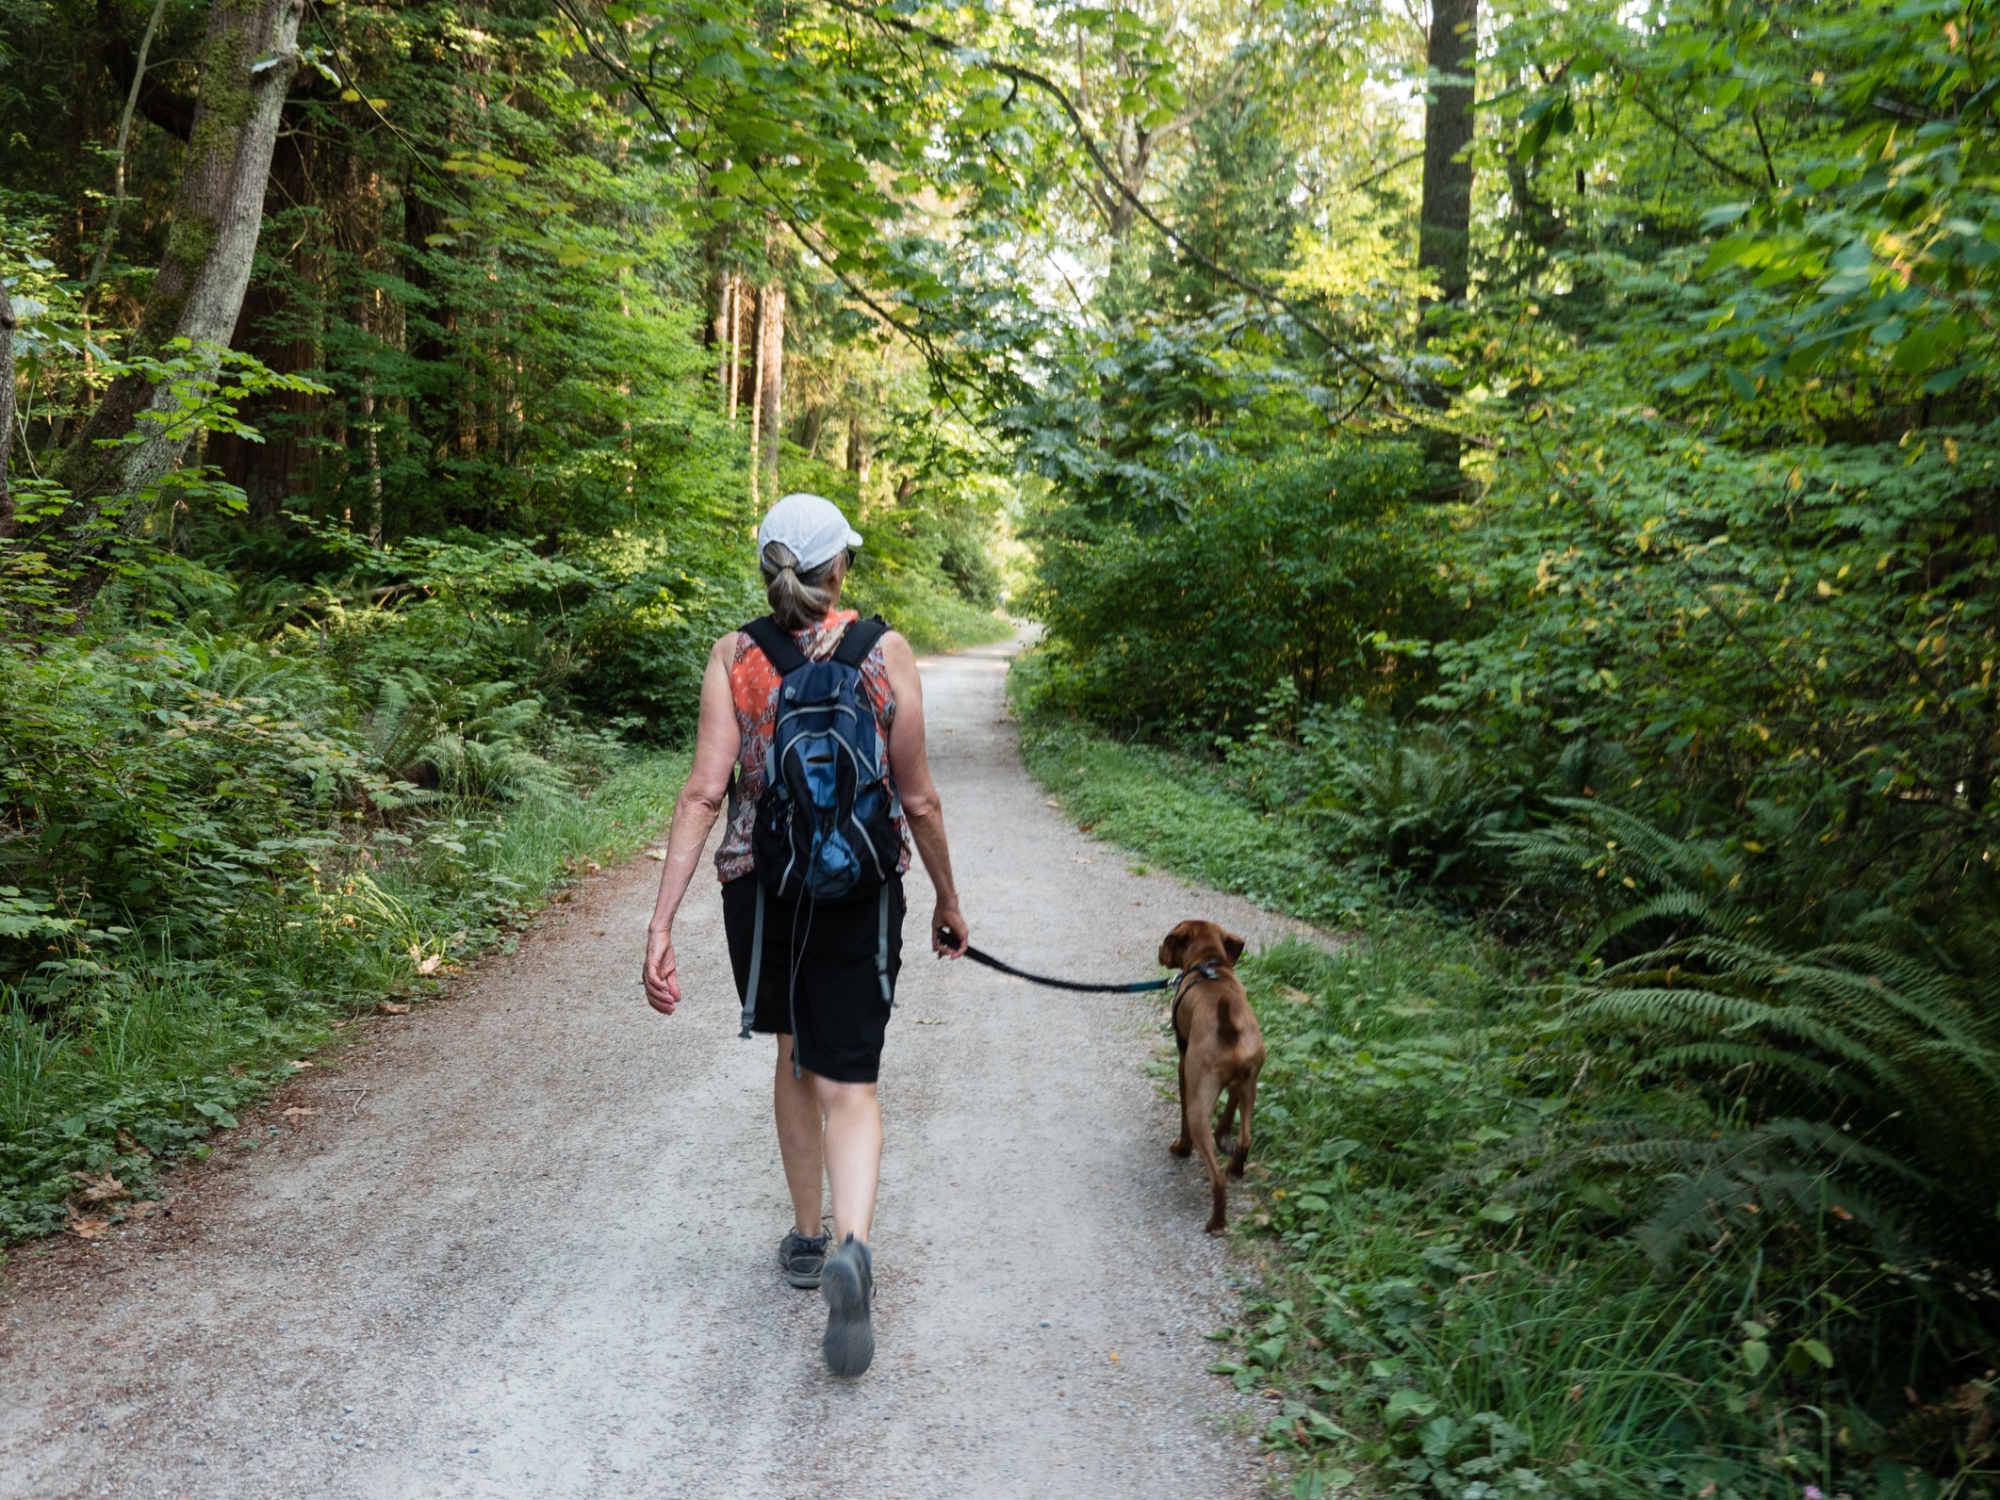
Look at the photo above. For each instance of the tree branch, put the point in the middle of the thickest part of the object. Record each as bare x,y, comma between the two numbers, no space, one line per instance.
1693,145
110,230
1068,106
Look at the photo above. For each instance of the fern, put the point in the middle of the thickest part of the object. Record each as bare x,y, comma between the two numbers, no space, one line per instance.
1854,1069
471,742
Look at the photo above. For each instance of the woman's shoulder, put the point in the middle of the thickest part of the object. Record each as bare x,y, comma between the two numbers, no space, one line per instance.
895,648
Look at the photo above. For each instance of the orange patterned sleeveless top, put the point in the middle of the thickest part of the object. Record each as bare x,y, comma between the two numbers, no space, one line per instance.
753,689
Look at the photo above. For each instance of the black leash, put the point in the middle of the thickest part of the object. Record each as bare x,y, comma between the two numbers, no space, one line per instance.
979,957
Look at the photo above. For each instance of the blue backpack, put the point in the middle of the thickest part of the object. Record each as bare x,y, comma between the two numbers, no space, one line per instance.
823,828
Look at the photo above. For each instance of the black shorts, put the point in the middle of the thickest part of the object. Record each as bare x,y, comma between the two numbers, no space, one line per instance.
829,973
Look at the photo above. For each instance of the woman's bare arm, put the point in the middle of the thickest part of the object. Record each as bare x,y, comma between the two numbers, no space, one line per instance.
909,764
701,798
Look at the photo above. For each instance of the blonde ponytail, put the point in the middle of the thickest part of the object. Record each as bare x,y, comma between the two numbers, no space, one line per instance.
797,599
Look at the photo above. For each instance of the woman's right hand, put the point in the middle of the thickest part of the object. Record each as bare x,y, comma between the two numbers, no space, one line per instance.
663,984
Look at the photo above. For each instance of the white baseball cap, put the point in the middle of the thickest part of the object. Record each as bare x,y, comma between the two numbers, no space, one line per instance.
810,526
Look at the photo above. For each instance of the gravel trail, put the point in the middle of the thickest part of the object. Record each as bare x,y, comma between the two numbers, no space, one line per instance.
524,1247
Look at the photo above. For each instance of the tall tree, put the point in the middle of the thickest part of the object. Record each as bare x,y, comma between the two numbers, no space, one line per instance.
1445,219
6,411
771,380
131,442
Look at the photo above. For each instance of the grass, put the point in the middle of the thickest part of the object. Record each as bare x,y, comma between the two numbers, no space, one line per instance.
1420,1329
1419,1325
930,618
136,1077
1183,815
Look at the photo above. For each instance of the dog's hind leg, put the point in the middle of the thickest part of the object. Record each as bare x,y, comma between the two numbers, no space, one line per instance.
1243,1098
1226,1125
1198,1119
1183,1143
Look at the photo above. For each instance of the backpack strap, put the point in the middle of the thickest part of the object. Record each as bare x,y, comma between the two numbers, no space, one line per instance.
858,640
779,649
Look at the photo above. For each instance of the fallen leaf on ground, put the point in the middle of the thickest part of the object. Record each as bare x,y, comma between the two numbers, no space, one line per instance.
100,1189
301,1064
1050,802
390,1008
129,1143
592,866
298,1111
88,1229
429,965
1296,996
929,1021
656,854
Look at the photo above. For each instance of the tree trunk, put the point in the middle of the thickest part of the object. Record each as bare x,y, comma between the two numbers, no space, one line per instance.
6,412
273,472
725,305
735,346
246,70
757,359
1444,227
771,379
860,456
1445,220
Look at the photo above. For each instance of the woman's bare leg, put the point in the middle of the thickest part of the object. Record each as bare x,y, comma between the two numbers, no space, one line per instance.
853,1153
800,1140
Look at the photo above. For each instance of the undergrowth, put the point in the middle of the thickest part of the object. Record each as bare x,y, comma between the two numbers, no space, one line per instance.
1181,813
95,1100
1531,1243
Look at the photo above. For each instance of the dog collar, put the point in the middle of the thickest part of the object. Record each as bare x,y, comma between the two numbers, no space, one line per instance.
1206,969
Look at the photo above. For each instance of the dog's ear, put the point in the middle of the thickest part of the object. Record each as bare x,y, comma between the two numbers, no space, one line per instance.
1172,946
1232,945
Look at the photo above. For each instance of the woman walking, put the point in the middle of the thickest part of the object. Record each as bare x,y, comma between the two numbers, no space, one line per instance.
817,973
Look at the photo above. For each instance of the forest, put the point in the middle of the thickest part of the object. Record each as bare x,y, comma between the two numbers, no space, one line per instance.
1511,483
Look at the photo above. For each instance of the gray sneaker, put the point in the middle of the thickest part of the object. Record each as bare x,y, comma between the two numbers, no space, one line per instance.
800,1257
848,1285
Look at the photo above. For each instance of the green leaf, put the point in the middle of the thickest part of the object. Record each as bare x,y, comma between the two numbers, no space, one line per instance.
1756,1356
1406,1405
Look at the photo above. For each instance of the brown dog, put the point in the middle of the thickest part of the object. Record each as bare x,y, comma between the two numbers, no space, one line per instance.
1221,1046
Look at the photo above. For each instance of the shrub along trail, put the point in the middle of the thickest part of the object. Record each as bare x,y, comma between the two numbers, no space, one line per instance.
524,1245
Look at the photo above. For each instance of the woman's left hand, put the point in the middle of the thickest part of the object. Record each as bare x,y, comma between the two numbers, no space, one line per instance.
948,918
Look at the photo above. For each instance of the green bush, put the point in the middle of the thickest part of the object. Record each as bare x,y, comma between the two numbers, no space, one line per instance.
1280,575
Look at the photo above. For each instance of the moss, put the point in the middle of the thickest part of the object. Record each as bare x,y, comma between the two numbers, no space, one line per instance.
228,98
